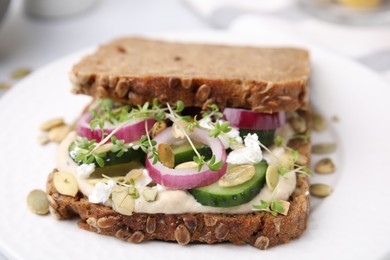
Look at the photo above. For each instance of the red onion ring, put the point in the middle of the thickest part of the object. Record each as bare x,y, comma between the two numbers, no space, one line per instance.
187,178
129,132
247,119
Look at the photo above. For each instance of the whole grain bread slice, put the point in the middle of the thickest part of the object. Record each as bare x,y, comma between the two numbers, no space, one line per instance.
136,70
259,229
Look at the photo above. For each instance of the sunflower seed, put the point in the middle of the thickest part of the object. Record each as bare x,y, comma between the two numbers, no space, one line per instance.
158,127
50,124
65,183
325,166
166,155
272,177
236,175
37,202
320,190
319,122
323,148
20,73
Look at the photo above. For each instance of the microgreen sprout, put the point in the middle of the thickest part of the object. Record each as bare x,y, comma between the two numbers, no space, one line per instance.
273,207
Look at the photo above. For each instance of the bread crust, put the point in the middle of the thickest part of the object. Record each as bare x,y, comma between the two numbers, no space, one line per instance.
275,79
259,229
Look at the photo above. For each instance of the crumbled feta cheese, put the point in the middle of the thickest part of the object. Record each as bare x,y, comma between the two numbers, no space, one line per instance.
74,152
84,170
135,147
250,154
231,139
101,192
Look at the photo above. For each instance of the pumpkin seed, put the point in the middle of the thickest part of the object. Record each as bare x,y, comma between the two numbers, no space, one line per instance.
186,165
325,166
287,160
298,123
105,148
134,174
319,122
43,139
150,194
5,85
122,201
65,183
158,127
323,148
272,177
37,202
50,124
236,175
57,134
320,190
105,180
165,153
335,118
20,73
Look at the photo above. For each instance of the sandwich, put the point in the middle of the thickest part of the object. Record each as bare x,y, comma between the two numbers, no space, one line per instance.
193,143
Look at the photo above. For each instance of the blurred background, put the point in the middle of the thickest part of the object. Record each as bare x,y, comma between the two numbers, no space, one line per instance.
36,32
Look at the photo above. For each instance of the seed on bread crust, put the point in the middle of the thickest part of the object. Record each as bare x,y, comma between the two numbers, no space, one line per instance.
122,88
106,222
221,231
182,235
136,237
262,242
150,225
186,83
122,234
190,222
203,93
209,221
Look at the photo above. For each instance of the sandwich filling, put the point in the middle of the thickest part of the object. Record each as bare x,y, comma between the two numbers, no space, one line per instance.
166,159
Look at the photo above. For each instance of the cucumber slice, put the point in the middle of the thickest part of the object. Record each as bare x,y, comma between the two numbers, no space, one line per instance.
115,170
217,196
266,137
112,159
184,153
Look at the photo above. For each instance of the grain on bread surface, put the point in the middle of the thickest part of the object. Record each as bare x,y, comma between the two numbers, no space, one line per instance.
259,229
136,70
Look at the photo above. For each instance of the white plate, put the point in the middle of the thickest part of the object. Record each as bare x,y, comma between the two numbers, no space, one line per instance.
353,223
